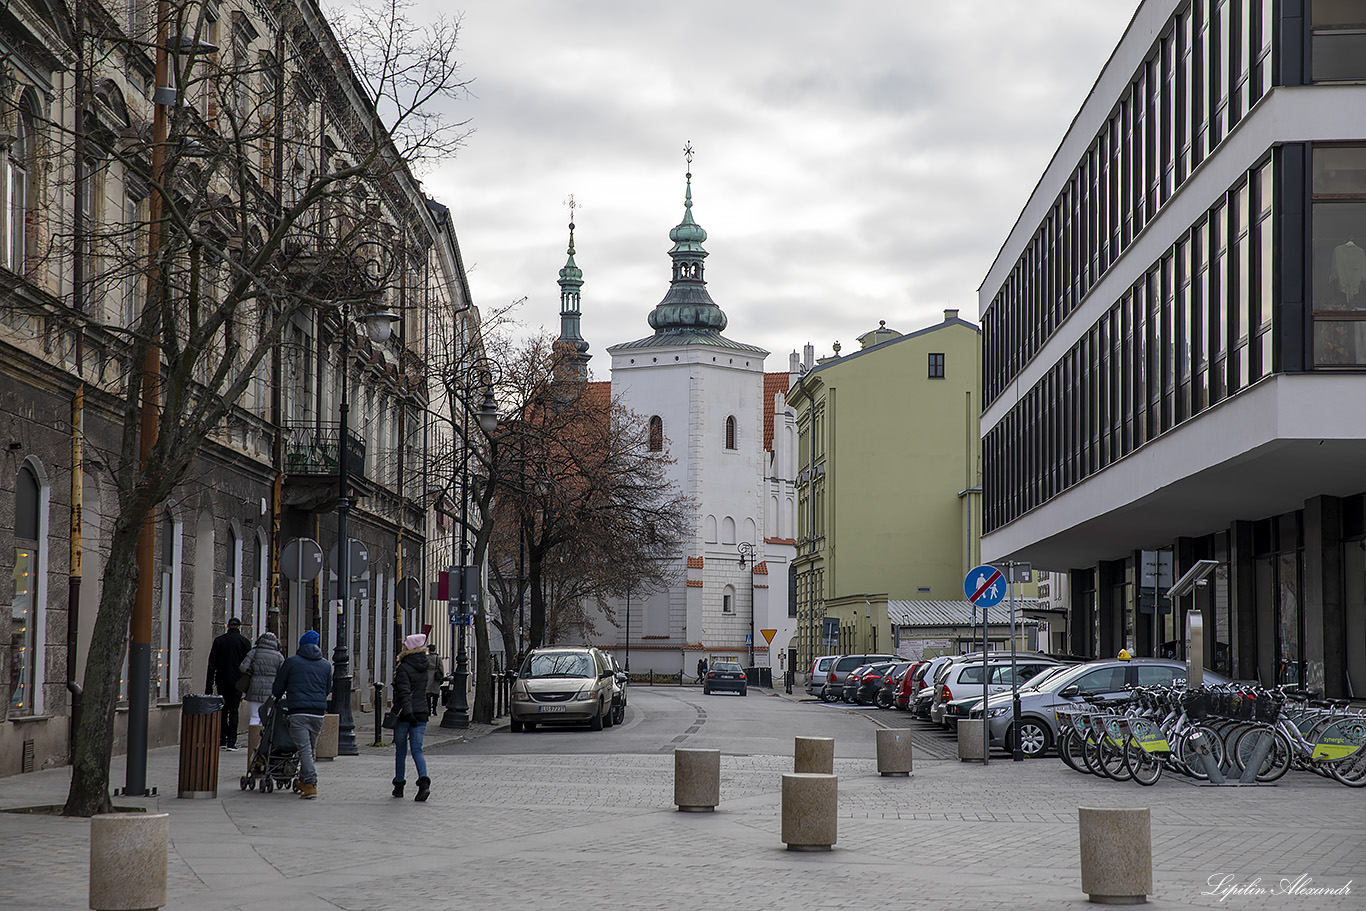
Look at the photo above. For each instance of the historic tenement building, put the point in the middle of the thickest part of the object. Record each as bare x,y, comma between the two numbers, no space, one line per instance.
77,141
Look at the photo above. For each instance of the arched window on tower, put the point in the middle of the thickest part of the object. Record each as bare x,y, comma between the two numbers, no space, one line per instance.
730,432
656,434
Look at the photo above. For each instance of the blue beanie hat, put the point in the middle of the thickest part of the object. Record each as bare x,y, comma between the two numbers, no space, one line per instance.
309,638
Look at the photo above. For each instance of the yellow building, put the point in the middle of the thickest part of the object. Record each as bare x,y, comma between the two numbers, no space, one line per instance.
889,463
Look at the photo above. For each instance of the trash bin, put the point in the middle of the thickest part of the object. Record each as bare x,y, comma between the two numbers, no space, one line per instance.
199,735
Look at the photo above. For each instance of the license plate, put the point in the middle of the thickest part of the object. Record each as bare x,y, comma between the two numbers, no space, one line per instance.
552,708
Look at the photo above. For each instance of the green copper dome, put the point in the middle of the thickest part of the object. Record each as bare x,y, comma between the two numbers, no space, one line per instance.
687,308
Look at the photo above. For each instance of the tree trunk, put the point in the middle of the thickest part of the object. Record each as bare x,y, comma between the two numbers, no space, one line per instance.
533,578
89,793
483,670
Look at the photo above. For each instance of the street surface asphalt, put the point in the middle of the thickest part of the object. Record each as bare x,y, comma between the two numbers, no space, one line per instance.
565,819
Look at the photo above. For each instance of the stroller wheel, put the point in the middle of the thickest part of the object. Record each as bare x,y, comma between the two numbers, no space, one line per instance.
244,781
252,784
296,787
267,786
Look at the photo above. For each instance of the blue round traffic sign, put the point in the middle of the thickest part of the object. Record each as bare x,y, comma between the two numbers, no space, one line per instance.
985,585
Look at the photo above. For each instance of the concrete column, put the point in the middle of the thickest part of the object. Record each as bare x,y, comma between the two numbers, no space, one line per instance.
128,861
328,739
1116,854
894,751
970,739
810,805
697,780
1322,601
814,754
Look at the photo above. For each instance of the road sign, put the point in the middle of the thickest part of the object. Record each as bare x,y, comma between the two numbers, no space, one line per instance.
408,593
301,560
1021,572
749,639
985,586
769,634
358,556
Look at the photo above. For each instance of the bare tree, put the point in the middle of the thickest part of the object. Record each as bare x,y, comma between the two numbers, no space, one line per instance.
227,240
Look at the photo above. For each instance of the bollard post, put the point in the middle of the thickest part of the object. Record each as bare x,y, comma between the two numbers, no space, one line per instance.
128,853
379,716
697,780
1116,854
814,755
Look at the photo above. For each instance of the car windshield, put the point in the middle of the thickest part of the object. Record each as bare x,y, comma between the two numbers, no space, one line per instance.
1043,675
558,664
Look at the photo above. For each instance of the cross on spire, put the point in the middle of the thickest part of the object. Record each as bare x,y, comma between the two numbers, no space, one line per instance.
687,156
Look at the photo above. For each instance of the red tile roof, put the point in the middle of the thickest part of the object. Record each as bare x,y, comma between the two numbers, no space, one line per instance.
774,384
695,563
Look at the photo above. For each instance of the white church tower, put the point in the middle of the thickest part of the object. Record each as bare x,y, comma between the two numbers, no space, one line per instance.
703,395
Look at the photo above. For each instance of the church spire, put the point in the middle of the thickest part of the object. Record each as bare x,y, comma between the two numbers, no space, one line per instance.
571,280
687,308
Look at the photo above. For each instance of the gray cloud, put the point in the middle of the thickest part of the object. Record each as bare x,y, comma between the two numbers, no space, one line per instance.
856,161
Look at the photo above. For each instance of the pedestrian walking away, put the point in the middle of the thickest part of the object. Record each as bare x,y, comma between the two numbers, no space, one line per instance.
262,663
411,680
436,674
304,682
701,669
225,657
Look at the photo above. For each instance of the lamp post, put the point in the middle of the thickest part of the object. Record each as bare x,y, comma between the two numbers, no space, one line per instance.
378,325
458,715
746,549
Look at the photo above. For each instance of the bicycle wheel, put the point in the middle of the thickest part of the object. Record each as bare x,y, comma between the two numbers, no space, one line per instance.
1070,750
1112,761
1350,771
1277,761
1144,767
1090,754
1186,752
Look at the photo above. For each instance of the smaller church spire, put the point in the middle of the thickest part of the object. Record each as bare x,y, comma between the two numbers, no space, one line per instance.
571,281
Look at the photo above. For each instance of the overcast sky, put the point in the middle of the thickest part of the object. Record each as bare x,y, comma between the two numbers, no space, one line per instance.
855,161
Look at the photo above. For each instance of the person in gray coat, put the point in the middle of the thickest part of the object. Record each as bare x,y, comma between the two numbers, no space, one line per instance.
262,662
436,674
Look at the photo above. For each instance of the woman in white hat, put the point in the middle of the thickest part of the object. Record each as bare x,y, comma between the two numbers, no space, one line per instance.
410,702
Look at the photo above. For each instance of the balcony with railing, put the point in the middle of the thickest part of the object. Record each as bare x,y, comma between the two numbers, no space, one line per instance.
311,452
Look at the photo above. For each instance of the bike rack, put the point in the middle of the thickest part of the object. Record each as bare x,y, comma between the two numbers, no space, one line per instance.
1263,745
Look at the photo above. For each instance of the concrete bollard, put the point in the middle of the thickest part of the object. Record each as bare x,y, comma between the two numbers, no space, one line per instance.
970,739
128,861
327,739
894,752
697,780
810,805
1116,854
814,755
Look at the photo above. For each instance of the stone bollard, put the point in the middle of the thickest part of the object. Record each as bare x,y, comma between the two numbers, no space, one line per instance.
894,752
697,780
327,738
814,755
970,739
1116,854
810,805
128,861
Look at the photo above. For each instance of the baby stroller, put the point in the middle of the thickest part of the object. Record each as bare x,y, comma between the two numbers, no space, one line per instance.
275,761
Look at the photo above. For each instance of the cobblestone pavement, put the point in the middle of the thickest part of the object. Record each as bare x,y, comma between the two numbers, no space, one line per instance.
549,832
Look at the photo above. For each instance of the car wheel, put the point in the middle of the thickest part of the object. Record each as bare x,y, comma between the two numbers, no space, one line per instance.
1035,737
621,714
609,719
528,725
744,692
515,725
595,723
706,690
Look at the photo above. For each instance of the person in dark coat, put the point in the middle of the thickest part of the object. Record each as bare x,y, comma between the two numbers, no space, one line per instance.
701,669
305,682
437,675
410,702
225,656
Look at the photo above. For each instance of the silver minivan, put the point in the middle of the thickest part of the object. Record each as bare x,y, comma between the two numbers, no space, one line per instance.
563,685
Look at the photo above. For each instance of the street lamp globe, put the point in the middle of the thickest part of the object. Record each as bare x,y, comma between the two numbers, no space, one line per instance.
380,325
488,413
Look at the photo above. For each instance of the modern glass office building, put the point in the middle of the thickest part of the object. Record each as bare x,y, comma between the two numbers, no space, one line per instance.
1175,344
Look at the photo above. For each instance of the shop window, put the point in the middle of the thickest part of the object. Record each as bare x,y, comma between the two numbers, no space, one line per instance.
23,664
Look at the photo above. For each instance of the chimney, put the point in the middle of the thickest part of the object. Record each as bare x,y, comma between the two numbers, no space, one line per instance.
794,363
950,315
808,355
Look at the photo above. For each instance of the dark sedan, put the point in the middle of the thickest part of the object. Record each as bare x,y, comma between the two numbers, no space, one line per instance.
725,676
892,679
872,682
851,683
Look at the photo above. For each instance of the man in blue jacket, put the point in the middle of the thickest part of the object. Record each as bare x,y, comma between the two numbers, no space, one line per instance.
305,682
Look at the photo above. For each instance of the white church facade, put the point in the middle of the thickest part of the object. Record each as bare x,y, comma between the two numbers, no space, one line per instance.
726,427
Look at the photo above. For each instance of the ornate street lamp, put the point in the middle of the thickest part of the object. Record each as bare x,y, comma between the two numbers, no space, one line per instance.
379,325
747,549
458,715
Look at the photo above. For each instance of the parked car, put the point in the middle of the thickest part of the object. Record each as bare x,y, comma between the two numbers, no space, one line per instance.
1108,678
852,681
563,685
908,686
816,680
923,698
885,694
725,675
620,681
967,694
871,682
943,694
839,669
